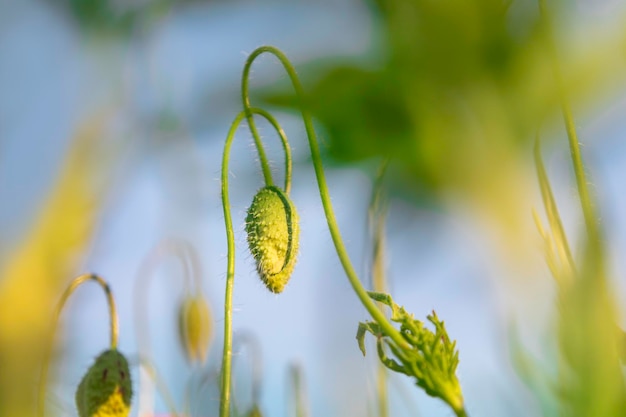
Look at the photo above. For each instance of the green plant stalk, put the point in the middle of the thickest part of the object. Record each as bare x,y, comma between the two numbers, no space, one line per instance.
588,210
559,238
377,214
298,389
113,324
249,111
324,193
230,238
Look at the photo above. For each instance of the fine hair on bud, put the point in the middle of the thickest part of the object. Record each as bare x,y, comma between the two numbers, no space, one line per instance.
106,388
273,236
195,328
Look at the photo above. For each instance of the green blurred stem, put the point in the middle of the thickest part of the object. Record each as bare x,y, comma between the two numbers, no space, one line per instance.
230,237
188,257
160,384
461,413
369,305
298,389
574,145
377,215
181,251
113,323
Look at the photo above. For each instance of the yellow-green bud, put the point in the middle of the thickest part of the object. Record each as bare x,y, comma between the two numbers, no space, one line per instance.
273,236
195,328
255,412
106,389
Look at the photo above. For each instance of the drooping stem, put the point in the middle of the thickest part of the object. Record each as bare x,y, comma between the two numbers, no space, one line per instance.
185,253
323,189
283,141
230,238
113,324
147,269
253,348
267,174
588,210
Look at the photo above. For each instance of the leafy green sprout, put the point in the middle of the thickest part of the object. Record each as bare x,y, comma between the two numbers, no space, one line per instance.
432,358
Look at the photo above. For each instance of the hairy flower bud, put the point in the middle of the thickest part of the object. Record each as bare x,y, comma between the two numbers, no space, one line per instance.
273,236
195,328
106,389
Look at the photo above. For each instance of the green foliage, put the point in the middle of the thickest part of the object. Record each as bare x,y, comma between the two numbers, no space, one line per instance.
429,357
458,85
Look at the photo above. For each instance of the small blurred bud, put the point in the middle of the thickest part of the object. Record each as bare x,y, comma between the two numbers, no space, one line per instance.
106,389
273,236
255,412
195,328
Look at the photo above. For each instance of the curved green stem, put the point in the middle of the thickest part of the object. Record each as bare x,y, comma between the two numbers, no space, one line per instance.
146,271
253,348
323,189
184,252
267,173
113,323
283,140
230,237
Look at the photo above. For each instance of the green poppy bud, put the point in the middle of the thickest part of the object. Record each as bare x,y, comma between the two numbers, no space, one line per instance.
106,389
195,328
273,236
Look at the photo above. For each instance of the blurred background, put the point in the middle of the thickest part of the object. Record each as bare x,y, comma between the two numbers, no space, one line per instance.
113,117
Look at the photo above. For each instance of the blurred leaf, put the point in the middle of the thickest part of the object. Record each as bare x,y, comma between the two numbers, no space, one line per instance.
460,89
591,376
37,270
558,249
115,17
590,380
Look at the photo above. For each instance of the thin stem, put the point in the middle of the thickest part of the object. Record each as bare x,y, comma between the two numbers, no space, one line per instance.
377,214
193,259
230,274
589,215
182,251
324,193
283,140
113,323
149,367
146,272
299,390
254,350
230,238
245,95
552,212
